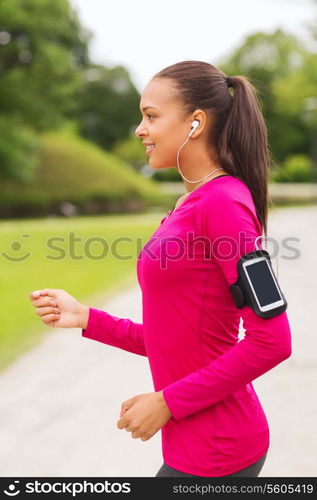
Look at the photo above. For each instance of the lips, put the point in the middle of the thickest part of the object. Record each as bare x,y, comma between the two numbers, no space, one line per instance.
148,147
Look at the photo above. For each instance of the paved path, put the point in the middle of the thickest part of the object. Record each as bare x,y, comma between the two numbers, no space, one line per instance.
60,402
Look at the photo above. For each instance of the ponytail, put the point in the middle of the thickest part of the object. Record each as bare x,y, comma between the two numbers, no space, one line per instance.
238,132
242,144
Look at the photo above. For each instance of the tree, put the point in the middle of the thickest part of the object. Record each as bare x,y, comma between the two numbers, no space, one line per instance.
43,48
108,105
274,62
19,147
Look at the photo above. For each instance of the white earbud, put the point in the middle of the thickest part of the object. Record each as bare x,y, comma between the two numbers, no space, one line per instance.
195,124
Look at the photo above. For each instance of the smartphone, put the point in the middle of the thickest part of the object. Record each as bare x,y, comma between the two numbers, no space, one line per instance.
263,284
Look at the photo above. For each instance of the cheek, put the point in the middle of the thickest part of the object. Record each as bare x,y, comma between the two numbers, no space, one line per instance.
168,136
166,147
172,142
165,154
166,130
168,133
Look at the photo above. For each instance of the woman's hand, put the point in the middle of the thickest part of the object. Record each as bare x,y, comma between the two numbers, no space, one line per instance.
144,415
59,309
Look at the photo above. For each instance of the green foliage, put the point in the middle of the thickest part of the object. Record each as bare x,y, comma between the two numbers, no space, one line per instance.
46,77
167,175
296,168
74,170
294,89
282,70
107,105
46,80
266,56
43,48
132,151
39,64
18,150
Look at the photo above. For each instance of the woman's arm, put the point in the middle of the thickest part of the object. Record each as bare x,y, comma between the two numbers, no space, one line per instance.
267,342
114,331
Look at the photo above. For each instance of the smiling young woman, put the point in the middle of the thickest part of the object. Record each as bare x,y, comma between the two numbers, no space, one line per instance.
231,136
163,129
211,420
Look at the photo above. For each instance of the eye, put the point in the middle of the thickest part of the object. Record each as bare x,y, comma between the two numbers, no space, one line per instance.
150,116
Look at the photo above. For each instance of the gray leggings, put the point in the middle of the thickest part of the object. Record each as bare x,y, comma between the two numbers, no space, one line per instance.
252,470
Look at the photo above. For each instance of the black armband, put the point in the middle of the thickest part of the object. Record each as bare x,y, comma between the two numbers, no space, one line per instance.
257,286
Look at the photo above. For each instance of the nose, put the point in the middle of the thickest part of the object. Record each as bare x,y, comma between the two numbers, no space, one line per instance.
138,131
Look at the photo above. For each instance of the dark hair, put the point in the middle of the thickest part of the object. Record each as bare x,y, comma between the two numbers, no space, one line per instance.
238,132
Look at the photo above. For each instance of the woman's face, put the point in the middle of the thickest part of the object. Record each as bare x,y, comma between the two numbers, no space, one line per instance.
162,123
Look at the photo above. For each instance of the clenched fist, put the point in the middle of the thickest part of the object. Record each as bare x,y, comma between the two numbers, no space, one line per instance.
59,309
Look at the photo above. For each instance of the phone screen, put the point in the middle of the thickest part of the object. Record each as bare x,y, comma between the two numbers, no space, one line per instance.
263,283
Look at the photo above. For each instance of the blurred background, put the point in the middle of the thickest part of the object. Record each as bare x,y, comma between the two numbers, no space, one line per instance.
73,176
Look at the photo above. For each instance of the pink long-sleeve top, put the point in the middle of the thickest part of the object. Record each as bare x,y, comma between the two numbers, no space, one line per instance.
190,331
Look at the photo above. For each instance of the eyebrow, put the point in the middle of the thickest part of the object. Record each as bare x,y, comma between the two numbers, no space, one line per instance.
147,107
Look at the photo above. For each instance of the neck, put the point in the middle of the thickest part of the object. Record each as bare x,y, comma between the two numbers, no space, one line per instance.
189,187
196,163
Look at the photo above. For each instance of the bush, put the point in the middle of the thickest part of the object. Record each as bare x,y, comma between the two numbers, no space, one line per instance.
18,150
167,175
132,151
76,171
296,168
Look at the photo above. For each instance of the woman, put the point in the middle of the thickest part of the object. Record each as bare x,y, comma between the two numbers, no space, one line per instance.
210,417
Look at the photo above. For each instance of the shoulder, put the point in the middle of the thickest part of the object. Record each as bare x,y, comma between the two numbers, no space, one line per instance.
225,192
226,200
180,200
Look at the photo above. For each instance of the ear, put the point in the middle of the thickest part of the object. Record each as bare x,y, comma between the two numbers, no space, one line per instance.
201,116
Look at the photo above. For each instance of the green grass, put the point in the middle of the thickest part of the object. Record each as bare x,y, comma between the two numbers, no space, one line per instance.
82,268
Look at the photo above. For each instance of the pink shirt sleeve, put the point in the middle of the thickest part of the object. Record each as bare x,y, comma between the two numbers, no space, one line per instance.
230,224
114,331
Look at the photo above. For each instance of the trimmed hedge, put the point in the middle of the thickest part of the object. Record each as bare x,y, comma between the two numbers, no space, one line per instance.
76,171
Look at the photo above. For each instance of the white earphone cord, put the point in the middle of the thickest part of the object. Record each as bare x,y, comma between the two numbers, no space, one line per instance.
257,248
192,182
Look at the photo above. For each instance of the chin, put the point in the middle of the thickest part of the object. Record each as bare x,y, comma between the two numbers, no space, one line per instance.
156,164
